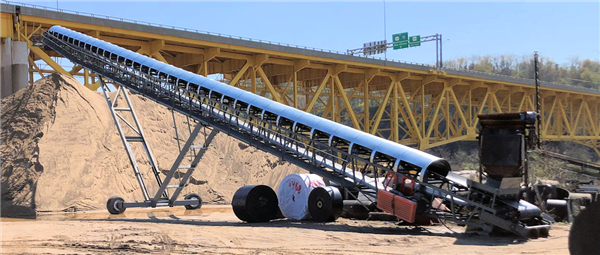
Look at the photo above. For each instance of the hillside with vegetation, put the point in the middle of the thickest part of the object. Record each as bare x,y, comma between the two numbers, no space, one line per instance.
577,72
583,73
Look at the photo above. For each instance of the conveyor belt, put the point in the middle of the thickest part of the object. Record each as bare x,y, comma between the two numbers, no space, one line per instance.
350,157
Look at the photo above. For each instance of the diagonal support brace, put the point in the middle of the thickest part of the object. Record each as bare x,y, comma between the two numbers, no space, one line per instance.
197,158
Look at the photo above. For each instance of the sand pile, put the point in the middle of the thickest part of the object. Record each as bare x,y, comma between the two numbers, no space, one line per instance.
61,152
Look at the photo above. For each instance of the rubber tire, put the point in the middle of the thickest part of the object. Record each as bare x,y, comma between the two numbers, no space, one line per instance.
583,237
115,205
324,206
196,197
255,203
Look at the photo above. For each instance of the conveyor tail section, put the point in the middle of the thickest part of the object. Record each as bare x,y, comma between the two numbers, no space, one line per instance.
399,206
350,157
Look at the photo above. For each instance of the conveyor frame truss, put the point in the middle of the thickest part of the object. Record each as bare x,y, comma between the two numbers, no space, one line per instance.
349,170
162,197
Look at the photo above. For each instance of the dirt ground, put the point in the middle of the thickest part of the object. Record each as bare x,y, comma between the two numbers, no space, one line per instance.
214,229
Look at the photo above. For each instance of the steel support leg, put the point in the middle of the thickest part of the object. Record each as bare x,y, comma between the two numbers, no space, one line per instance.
128,139
197,158
176,164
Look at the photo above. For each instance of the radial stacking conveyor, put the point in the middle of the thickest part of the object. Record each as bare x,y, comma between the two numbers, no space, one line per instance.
399,179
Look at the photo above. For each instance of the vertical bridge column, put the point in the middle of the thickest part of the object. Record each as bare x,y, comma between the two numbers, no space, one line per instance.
6,55
15,67
20,65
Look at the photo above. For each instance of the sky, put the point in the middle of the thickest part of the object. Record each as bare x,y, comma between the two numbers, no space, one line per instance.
560,31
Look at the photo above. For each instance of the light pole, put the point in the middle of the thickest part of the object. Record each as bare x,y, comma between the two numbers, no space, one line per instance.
384,28
441,47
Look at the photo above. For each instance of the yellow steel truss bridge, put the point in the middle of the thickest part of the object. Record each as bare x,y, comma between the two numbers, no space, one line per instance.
412,104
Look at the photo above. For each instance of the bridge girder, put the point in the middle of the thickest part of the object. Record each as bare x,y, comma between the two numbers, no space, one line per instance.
419,108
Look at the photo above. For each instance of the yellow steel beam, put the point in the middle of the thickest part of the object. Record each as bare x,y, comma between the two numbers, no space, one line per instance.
209,54
239,74
93,33
339,68
152,49
6,25
381,109
86,77
434,120
260,59
591,120
366,108
93,86
330,108
34,31
75,69
371,73
411,117
458,108
429,79
481,107
282,62
298,66
395,112
317,93
547,122
565,117
301,64
575,123
36,68
267,83
347,102
48,60
188,60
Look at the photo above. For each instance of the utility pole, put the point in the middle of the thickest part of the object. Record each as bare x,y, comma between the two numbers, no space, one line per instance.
536,72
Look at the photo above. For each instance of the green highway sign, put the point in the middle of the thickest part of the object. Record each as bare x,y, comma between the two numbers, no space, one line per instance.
400,45
414,41
400,37
400,41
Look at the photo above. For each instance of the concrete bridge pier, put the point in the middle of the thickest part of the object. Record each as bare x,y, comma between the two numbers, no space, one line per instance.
14,67
20,66
5,54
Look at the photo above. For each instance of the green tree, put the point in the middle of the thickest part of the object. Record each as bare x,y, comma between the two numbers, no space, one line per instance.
584,73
